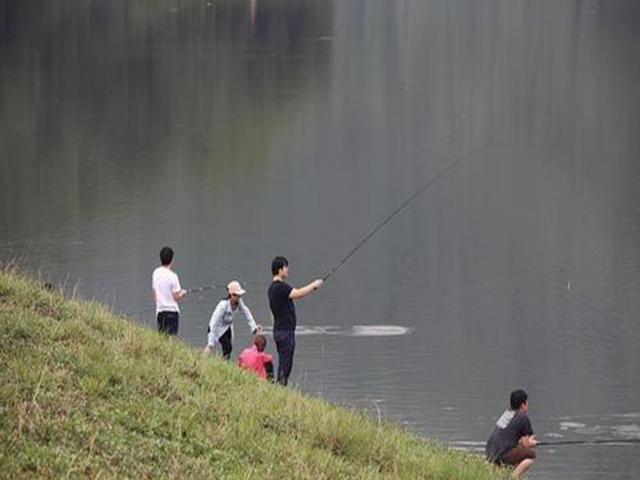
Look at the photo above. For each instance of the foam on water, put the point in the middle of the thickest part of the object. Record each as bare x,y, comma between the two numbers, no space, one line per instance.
600,416
628,415
611,435
627,431
593,430
568,425
355,331
378,330
320,330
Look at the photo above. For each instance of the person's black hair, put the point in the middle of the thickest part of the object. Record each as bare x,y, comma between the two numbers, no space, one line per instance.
166,256
277,264
518,397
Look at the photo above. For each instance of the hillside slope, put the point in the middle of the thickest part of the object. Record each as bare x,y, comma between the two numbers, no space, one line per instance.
84,393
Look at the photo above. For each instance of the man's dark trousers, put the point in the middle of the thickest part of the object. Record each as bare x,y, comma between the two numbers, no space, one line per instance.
168,322
286,345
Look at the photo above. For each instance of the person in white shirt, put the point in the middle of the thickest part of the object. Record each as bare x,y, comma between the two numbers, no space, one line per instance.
167,292
221,323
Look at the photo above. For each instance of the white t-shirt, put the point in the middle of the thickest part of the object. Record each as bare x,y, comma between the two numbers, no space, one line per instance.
165,283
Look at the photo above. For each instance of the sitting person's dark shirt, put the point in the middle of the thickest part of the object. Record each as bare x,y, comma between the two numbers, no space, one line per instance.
510,427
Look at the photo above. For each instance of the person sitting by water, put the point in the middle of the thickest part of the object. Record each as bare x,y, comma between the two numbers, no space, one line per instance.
512,441
255,360
221,323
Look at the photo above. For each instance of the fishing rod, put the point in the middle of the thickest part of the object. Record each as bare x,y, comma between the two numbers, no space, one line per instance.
378,227
151,308
189,291
404,204
203,288
597,441
215,287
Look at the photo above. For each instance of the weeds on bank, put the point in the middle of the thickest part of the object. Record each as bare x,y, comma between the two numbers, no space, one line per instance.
84,393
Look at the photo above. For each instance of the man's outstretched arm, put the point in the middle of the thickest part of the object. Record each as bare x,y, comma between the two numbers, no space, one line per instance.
298,293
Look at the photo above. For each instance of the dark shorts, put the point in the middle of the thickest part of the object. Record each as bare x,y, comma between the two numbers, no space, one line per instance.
168,322
517,455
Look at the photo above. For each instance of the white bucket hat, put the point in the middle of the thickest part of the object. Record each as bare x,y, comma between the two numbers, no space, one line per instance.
235,288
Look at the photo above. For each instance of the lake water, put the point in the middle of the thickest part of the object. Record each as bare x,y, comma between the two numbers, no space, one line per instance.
239,130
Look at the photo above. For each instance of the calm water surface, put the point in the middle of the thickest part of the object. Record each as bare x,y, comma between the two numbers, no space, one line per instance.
238,130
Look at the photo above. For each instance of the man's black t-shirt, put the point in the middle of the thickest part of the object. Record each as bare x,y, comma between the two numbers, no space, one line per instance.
282,308
510,427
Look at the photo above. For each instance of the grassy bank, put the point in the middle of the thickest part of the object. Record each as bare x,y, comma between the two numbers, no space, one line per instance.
86,393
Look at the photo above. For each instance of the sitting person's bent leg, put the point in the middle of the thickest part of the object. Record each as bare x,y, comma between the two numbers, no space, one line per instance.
523,467
520,457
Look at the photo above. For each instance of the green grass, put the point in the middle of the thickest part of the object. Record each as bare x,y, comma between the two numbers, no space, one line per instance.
84,393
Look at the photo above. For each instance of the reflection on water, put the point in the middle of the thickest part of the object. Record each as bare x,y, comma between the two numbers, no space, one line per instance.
238,130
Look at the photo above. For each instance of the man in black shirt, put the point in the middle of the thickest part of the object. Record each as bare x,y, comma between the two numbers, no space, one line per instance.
512,441
281,296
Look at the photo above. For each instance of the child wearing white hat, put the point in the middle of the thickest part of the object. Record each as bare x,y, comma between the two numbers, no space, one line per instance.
221,323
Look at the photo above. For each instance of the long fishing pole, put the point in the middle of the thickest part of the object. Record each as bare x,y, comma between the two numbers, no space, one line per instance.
597,441
215,287
203,288
404,204
191,291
